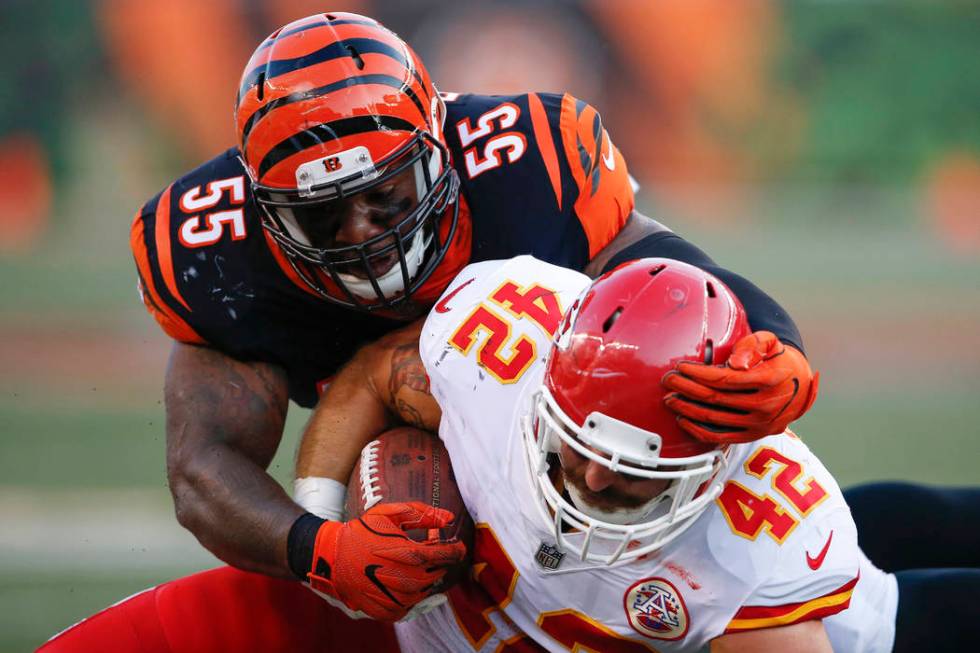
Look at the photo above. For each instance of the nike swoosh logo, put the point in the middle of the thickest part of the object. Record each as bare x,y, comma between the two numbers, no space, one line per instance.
816,562
609,158
371,572
442,307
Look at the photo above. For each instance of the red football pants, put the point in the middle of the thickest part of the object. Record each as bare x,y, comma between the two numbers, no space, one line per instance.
224,609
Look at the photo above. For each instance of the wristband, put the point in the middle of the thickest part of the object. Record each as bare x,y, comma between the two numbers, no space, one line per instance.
324,497
301,543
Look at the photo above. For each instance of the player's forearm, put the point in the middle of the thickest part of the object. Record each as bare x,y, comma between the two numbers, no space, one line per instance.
224,423
348,416
235,510
384,384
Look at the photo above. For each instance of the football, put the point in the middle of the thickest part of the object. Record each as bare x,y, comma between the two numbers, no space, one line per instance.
409,464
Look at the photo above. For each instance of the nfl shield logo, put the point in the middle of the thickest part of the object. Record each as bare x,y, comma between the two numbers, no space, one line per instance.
655,608
548,556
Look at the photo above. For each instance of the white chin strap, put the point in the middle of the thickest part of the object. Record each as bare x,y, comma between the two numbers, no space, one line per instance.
391,282
620,516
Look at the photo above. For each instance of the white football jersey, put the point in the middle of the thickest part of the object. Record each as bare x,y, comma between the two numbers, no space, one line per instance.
777,547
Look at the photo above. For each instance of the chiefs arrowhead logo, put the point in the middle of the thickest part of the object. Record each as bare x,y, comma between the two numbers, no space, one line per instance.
655,608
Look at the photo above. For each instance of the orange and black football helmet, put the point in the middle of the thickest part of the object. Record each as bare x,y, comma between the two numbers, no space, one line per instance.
335,107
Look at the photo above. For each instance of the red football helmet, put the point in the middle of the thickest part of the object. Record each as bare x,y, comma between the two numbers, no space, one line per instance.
602,396
334,106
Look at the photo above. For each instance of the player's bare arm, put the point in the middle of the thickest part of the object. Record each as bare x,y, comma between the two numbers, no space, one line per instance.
383,385
805,637
224,423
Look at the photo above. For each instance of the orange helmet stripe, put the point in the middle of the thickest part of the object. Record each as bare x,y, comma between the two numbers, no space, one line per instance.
335,50
279,34
334,130
384,80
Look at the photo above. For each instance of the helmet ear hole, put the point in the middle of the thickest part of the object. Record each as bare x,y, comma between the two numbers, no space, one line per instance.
709,352
611,320
711,290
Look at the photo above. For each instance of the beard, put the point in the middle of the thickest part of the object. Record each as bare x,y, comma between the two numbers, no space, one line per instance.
608,499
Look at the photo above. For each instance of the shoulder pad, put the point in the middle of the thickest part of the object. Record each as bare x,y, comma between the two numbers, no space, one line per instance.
500,314
794,531
180,237
542,168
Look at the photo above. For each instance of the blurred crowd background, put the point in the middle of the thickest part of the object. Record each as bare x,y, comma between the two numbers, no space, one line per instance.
829,150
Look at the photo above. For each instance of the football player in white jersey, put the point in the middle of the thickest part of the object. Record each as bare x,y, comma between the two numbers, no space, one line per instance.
600,524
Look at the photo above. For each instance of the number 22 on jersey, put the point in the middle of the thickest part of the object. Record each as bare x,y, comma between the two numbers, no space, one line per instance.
504,357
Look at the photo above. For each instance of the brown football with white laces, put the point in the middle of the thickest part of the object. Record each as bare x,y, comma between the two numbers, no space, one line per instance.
409,464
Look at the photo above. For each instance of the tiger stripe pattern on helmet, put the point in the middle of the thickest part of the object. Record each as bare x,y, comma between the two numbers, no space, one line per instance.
280,115
385,80
330,131
342,92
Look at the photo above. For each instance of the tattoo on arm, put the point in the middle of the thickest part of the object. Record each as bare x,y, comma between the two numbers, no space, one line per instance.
224,423
408,413
408,372
272,384
247,408
407,369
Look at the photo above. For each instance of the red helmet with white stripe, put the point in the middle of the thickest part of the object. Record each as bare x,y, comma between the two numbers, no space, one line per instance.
602,397
335,110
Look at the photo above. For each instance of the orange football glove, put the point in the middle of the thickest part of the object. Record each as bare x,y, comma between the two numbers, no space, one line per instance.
763,387
372,566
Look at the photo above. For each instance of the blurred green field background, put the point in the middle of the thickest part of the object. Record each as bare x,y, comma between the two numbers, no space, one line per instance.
863,219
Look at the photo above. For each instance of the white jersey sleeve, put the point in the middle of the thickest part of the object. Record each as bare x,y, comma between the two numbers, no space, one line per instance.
807,557
815,575
783,493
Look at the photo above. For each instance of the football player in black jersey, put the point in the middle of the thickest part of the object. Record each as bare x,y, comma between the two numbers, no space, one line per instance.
355,194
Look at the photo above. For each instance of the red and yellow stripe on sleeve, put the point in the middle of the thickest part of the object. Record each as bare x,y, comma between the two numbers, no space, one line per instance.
173,325
605,195
751,617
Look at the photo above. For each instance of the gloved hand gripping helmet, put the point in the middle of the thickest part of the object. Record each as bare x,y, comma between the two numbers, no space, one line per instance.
602,396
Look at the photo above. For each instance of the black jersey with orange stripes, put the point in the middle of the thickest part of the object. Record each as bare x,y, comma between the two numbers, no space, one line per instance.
539,175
